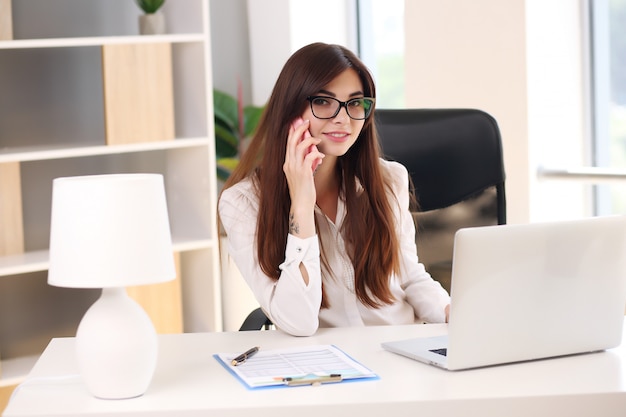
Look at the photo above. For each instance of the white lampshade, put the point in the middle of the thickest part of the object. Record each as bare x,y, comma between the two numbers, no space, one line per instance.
109,232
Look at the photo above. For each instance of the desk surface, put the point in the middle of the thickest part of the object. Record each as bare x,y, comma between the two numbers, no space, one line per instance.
190,382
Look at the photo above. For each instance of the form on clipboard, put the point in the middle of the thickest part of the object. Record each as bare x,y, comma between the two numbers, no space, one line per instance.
307,365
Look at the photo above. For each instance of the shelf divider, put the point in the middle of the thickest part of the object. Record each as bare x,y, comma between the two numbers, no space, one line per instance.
11,218
138,92
6,21
162,302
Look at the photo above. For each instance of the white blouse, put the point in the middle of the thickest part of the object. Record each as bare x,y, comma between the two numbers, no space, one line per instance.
295,307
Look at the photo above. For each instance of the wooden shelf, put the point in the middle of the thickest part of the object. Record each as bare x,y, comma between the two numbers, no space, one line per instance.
55,122
11,224
24,263
138,93
36,261
6,23
61,151
100,41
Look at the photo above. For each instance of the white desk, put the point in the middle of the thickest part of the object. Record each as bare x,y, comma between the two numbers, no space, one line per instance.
190,382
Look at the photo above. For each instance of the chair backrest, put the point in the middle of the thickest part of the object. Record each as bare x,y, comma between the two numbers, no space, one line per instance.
256,320
451,154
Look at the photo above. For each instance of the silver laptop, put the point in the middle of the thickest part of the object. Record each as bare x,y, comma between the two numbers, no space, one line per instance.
532,291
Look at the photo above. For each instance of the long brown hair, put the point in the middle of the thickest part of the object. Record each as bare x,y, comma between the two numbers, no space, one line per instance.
369,224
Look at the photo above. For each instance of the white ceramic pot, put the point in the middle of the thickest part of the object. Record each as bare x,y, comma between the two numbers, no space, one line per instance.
152,24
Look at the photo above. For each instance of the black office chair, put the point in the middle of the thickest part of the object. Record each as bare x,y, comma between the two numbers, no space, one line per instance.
256,320
454,158
451,154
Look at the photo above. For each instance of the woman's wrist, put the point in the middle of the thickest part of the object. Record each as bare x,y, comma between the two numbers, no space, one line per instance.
301,224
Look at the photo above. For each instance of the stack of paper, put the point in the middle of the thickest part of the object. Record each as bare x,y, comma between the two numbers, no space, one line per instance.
309,365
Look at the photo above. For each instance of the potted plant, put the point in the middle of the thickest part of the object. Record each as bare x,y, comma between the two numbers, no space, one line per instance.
152,22
234,123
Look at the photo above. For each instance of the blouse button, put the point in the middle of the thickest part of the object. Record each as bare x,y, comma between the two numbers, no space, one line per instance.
298,249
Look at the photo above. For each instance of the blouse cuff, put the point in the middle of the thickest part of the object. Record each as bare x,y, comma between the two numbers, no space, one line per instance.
298,250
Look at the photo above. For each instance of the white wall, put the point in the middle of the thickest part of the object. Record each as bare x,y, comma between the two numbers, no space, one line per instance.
280,27
230,47
557,114
523,61
519,60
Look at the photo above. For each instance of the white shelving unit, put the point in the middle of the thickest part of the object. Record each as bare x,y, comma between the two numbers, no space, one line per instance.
52,124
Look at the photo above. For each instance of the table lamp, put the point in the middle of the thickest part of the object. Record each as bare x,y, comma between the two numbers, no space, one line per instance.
109,232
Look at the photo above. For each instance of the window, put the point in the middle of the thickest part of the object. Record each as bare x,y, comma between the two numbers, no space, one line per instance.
381,47
608,55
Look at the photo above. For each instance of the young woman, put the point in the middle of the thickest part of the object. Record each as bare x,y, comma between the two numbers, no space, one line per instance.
317,223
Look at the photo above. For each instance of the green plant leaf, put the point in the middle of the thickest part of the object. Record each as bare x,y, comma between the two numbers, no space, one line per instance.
226,144
251,117
228,163
225,108
222,174
226,129
225,166
149,6
227,135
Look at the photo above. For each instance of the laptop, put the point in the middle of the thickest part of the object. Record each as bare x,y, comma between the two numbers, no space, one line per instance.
530,291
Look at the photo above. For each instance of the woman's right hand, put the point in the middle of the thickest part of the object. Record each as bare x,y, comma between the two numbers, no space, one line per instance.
301,159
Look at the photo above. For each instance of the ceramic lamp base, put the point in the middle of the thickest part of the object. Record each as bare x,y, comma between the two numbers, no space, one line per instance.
116,347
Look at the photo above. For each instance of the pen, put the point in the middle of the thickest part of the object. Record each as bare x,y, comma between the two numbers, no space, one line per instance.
312,381
246,355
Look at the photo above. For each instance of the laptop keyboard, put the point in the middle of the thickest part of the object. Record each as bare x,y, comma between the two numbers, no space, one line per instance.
442,351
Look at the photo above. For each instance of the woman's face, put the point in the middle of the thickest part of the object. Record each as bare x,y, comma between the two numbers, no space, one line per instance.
341,132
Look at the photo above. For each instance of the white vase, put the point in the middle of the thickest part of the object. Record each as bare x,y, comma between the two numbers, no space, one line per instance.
152,24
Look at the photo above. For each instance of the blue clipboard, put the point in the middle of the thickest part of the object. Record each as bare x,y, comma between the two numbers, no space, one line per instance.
295,367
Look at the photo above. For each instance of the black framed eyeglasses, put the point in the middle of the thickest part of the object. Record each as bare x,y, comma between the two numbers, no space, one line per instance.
324,107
